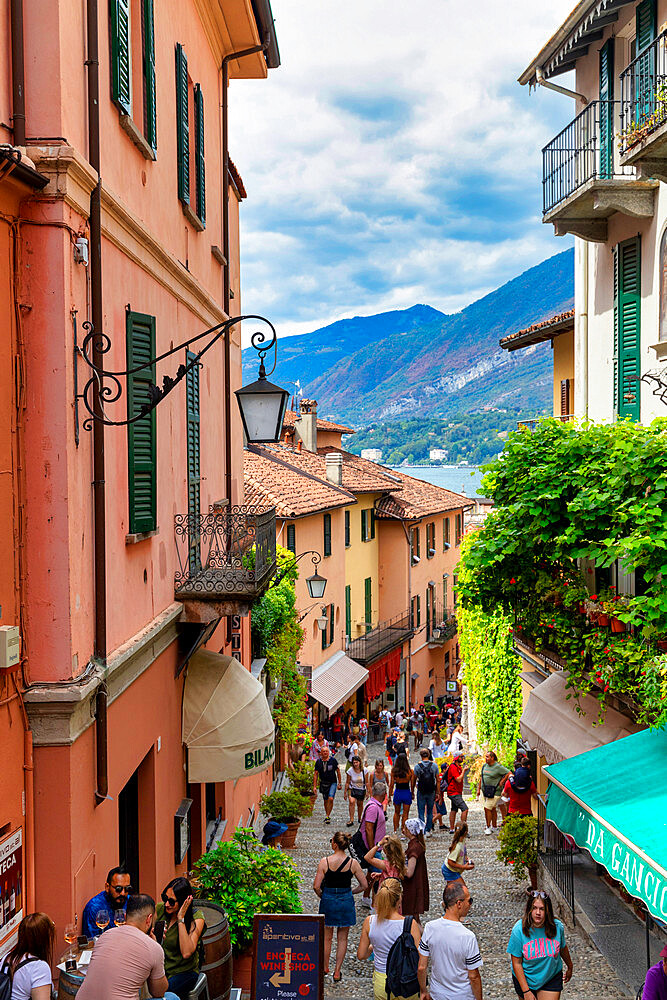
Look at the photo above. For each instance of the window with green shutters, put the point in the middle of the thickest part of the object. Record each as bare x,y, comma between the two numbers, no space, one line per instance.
458,528
194,470
416,611
121,83
445,534
372,517
444,591
141,436
364,525
291,538
327,534
200,166
348,612
606,92
347,529
150,103
368,603
627,327
182,125
645,71
328,632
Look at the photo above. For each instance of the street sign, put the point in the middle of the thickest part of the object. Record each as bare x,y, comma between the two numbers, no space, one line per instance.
452,685
287,956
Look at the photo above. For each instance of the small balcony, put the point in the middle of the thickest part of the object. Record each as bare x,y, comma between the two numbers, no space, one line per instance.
443,627
643,124
226,559
381,639
583,181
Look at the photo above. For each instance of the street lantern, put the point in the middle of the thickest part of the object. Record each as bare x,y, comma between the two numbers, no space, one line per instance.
322,622
316,584
262,404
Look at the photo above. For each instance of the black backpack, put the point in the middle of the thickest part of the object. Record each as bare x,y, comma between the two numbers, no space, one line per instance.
425,779
402,964
6,979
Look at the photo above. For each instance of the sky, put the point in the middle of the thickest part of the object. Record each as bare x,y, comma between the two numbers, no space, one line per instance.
393,158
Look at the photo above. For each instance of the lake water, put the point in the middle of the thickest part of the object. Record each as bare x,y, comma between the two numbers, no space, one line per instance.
457,478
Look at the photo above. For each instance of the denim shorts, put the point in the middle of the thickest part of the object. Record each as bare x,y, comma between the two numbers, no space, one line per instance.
328,793
553,985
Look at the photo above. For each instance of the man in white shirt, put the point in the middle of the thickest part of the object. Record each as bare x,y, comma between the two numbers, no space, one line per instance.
458,741
453,951
400,716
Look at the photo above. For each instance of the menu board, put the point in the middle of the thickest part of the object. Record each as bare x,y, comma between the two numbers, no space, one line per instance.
11,887
287,956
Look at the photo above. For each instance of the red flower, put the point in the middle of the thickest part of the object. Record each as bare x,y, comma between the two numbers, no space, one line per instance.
606,687
606,649
594,597
512,580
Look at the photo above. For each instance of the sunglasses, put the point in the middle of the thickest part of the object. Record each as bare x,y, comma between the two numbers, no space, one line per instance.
538,894
121,888
169,900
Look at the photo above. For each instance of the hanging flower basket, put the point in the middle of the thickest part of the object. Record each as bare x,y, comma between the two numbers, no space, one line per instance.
617,625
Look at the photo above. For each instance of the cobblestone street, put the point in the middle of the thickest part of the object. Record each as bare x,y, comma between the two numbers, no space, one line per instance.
497,905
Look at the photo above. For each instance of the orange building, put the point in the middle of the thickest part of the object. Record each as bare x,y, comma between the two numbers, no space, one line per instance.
123,216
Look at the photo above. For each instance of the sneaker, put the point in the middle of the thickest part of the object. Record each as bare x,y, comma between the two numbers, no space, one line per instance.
495,829
452,831
487,831
327,819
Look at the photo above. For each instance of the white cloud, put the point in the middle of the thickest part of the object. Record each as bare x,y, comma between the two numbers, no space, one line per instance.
392,158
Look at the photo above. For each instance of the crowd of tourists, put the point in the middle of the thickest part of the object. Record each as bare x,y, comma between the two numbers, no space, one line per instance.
383,862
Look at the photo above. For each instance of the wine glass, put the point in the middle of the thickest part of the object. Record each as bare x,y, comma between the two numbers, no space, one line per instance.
102,919
119,917
71,935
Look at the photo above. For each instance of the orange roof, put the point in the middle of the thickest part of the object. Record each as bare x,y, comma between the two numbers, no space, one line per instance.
237,181
322,425
546,330
419,499
359,476
270,481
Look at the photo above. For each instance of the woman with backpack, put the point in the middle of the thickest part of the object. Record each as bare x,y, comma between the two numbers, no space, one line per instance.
415,885
520,790
400,784
355,788
456,862
425,779
380,931
28,964
333,885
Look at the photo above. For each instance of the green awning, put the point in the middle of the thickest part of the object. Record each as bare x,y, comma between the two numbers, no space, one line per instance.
613,801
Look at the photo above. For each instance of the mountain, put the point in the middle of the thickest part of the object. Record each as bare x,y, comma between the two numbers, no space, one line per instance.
421,362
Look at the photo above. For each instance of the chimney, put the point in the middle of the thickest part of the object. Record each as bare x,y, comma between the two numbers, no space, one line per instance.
305,428
334,468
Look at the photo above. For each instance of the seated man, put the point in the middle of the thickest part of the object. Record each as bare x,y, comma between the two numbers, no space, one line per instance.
126,957
113,897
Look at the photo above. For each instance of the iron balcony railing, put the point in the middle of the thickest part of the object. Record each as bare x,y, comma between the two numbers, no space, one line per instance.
442,627
584,150
644,93
381,639
556,854
228,553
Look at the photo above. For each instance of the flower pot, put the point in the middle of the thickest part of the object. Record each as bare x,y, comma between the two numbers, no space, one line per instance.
662,645
603,619
594,617
617,625
289,837
532,873
242,972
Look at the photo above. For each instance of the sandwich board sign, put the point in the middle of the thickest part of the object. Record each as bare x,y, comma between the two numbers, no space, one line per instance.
287,956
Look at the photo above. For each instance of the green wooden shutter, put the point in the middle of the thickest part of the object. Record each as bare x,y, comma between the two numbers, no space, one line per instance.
368,603
428,613
607,109
645,68
418,536
347,529
372,522
121,86
363,526
194,469
419,610
332,622
200,166
444,594
627,326
150,108
141,436
348,612
291,538
182,125
327,534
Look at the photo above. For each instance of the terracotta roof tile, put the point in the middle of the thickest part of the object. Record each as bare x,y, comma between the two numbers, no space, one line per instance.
419,499
545,330
269,481
237,181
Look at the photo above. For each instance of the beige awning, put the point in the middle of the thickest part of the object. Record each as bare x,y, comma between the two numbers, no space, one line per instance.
227,722
552,726
336,679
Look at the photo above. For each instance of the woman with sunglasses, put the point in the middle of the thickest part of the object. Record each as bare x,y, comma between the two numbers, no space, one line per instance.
537,950
180,938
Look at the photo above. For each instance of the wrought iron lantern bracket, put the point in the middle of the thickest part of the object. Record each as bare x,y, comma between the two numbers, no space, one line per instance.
109,383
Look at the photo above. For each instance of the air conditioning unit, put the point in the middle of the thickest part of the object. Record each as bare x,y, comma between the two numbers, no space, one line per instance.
10,646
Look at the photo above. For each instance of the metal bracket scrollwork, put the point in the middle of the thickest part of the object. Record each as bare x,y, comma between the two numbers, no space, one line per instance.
109,383
657,381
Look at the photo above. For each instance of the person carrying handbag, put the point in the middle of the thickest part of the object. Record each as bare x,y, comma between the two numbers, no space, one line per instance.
372,828
491,781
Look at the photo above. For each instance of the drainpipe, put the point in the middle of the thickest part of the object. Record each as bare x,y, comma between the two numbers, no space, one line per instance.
225,250
574,94
99,508
18,73
581,343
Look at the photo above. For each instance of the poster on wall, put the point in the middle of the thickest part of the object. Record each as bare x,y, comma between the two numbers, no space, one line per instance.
11,888
287,956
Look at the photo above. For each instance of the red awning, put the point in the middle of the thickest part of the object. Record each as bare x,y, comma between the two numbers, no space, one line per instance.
383,673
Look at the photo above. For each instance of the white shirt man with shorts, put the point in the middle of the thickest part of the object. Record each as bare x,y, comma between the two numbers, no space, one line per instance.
452,950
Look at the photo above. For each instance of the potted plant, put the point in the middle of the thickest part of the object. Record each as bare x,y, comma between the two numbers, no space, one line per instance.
302,777
517,840
245,879
288,807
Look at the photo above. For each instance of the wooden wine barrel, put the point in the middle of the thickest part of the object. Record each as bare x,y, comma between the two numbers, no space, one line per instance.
217,949
69,984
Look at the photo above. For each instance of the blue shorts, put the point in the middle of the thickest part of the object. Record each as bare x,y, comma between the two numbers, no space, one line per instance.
449,875
328,793
402,797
